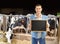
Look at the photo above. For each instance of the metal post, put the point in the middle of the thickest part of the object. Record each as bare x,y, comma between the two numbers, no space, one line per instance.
0,25
4,23
59,32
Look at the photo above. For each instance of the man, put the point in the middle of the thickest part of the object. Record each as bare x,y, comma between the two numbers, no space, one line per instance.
38,36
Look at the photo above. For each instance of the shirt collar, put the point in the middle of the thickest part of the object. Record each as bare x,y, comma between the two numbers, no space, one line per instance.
36,16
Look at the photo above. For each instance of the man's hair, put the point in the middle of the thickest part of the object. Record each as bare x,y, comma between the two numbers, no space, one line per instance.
38,5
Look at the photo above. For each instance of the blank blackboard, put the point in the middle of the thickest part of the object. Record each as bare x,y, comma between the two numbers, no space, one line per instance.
38,25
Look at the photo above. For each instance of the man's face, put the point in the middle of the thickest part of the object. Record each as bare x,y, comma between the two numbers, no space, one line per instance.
38,9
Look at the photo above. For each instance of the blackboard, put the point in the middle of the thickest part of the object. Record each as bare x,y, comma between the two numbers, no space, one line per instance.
38,25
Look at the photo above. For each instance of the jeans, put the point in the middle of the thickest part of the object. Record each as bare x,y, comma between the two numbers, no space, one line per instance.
35,40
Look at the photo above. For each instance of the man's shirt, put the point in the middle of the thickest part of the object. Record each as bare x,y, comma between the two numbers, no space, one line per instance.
38,34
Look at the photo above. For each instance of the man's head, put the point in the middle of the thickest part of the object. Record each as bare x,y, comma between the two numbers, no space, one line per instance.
38,8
